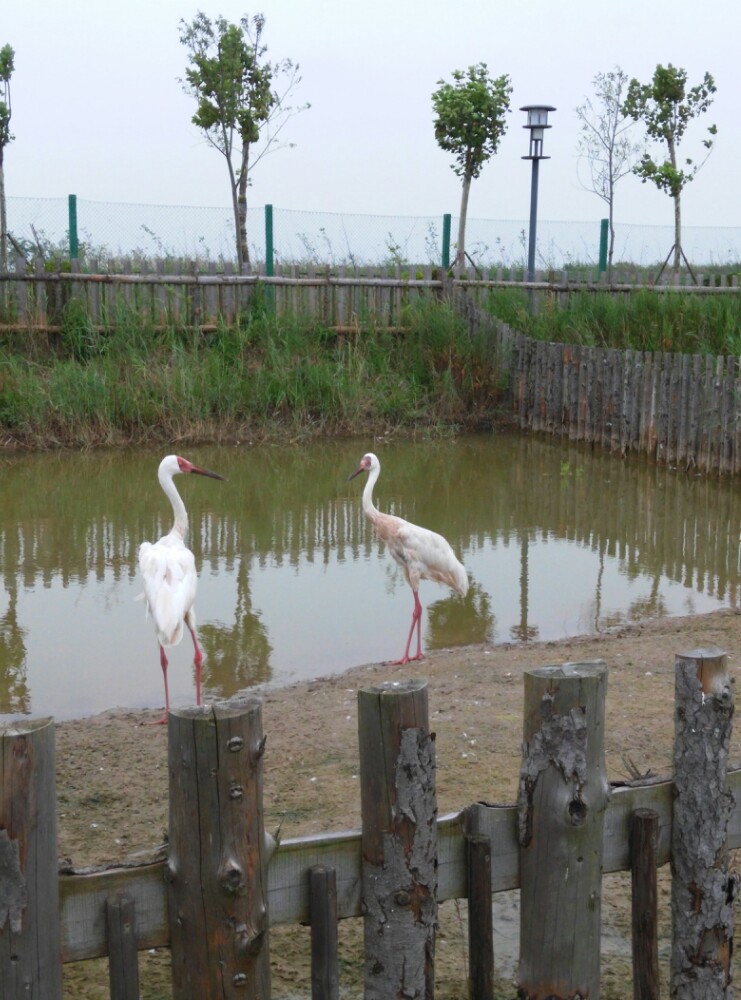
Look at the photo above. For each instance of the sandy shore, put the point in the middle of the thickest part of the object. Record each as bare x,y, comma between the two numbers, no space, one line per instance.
112,776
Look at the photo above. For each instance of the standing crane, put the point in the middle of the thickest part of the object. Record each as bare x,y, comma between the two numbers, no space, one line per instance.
168,571
421,553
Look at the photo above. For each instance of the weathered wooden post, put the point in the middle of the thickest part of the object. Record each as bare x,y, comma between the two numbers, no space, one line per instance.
644,843
480,919
562,799
123,961
399,840
217,861
30,963
703,890
325,981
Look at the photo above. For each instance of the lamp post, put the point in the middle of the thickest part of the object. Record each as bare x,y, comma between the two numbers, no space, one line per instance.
537,122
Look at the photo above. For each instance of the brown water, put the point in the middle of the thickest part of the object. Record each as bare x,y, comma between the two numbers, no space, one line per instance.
556,540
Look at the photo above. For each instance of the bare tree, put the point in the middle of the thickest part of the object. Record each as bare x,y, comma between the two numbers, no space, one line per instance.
605,141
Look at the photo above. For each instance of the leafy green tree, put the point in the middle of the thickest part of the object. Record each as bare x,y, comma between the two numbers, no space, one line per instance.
666,107
470,120
7,55
605,141
240,109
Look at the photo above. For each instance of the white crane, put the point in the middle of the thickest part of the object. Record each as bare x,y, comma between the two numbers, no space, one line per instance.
168,571
421,553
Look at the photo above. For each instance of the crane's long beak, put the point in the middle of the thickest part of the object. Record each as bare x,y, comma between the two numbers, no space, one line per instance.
205,472
360,468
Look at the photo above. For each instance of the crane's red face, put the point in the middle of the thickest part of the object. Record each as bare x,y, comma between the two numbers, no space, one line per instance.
365,464
186,466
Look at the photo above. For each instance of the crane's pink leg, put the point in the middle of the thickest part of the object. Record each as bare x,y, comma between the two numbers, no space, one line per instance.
163,664
416,620
197,659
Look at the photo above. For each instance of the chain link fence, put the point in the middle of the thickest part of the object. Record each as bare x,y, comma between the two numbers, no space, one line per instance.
110,230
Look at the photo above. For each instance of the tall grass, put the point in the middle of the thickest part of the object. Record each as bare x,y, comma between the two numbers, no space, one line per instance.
259,379
643,320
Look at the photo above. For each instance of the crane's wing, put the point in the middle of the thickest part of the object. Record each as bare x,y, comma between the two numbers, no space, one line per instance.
168,571
429,556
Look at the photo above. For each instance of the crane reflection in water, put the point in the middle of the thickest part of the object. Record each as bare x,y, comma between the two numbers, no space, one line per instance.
295,585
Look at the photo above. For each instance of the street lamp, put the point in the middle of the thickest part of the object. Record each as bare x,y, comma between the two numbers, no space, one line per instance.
537,122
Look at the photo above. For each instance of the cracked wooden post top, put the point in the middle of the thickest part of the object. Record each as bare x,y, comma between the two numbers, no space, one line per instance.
399,839
711,666
563,794
216,869
29,877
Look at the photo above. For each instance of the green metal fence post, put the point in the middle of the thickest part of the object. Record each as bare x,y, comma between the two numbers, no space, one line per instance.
604,230
269,263
269,260
73,244
446,241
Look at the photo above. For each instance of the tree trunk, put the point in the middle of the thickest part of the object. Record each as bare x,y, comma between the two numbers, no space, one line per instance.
677,196
611,205
612,242
3,219
233,186
677,231
237,243
244,253
460,256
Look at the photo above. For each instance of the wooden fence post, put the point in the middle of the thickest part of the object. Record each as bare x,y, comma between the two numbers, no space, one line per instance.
480,920
30,962
562,799
644,844
325,981
703,890
123,961
399,840
217,861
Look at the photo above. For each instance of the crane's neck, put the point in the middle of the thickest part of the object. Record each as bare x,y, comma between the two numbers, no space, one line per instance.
180,525
369,510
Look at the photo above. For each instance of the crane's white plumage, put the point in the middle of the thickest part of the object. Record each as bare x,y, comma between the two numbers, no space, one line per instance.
421,553
168,571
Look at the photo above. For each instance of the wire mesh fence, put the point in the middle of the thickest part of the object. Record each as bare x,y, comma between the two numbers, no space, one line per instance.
114,230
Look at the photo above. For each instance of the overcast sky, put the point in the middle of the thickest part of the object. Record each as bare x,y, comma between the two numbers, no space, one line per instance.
98,109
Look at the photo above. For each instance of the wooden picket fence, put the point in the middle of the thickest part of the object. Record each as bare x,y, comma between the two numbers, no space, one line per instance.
677,409
682,410
174,294
222,883
177,292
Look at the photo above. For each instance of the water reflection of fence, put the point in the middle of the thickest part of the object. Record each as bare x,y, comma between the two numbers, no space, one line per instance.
653,520
222,882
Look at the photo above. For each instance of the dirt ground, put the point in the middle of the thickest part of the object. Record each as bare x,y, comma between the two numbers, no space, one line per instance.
112,782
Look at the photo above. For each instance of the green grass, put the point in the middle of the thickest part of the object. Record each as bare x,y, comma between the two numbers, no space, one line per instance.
264,378
261,378
643,320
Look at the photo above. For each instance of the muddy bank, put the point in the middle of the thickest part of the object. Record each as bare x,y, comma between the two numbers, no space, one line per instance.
112,781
